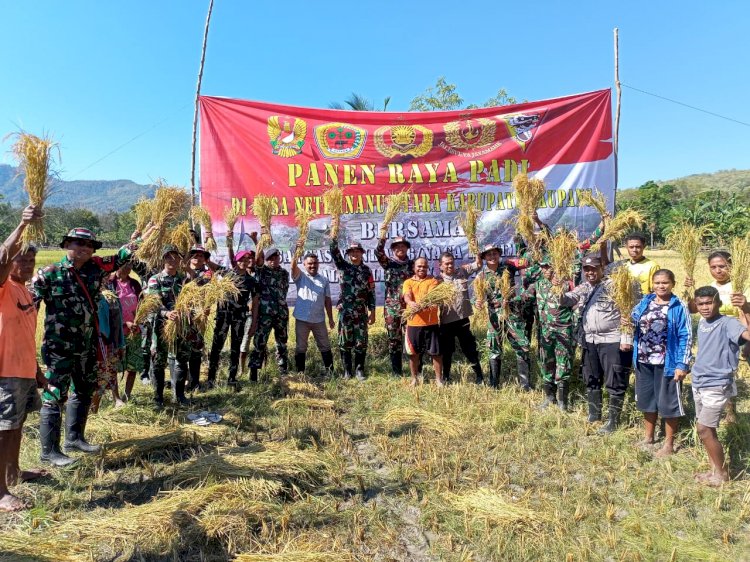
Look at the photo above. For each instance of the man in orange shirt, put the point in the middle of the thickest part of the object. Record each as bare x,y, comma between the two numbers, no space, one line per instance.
423,328
19,372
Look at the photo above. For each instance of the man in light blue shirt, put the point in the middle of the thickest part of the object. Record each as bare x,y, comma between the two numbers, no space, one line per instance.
313,302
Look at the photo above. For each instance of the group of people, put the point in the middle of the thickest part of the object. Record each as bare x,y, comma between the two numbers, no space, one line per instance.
90,331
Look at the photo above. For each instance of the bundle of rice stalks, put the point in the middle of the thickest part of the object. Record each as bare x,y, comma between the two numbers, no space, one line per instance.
739,248
394,204
169,205
200,216
110,296
400,417
154,528
528,194
144,210
441,295
147,306
623,290
195,302
488,505
593,198
318,403
273,460
622,224
41,547
333,203
468,221
302,218
182,238
562,248
294,556
480,316
505,292
34,156
263,209
686,239
231,214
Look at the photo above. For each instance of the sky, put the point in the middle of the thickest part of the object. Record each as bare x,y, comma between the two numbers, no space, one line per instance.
114,82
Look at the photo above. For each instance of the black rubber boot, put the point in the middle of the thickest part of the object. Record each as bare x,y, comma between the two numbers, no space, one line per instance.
615,408
478,372
495,371
549,396
157,376
283,364
76,415
523,373
346,360
253,374
327,357
397,365
147,366
49,434
299,362
194,371
595,405
359,366
562,395
178,384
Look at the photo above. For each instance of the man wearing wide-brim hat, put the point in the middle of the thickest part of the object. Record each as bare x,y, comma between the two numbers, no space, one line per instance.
396,269
70,291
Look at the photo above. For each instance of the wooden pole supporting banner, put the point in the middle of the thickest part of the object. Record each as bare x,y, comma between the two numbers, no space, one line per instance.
617,104
197,97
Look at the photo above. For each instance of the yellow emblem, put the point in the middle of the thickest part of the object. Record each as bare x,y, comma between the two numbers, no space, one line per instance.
286,141
403,140
470,137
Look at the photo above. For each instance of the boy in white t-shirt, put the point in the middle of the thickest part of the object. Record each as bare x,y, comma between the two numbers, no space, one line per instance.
713,374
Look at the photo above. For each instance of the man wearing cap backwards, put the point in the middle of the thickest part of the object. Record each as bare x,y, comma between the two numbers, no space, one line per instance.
233,316
356,306
454,319
312,305
19,371
270,311
167,284
607,350
555,336
70,290
397,269
514,327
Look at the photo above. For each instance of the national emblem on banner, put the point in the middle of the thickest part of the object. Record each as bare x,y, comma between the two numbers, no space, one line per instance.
403,140
470,137
286,140
340,141
521,127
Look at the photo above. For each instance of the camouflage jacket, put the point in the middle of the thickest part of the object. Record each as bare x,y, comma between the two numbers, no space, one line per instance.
356,283
167,287
553,317
273,286
493,296
70,314
395,273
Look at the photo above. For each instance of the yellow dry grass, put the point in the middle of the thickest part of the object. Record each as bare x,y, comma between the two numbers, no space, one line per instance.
315,403
34,157
294,556
400,417
490,506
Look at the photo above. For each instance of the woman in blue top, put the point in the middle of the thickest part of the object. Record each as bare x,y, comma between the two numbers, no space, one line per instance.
661,357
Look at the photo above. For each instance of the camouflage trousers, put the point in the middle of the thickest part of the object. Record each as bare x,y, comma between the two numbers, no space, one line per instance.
280,326
514,328
393,326
555,354
227,320
68,370
353,325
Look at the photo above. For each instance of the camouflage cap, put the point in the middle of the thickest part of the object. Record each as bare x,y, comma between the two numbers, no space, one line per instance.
592,261
355,246
170,249
199,250
400,240
81,234
488,248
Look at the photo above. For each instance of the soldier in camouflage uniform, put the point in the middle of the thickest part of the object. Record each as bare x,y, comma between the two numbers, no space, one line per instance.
396,269
167,284
270,311
513,327
199,270
356,306
555,336
70,290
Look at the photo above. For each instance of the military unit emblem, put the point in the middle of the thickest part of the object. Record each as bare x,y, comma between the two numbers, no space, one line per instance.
286,140
470,137
403,140
340,141
521,127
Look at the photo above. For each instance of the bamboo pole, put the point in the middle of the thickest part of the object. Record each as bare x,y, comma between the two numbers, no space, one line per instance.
617,105
197,97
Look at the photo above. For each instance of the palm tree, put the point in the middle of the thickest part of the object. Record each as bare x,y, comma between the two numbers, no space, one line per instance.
358,103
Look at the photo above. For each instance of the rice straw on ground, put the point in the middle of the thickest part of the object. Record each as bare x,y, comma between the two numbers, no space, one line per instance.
34,156
686,239
442,294
623,290
399,417
488,505
395,203
468,221
294,556
315,403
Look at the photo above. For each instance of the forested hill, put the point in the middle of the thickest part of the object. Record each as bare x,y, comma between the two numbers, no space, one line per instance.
99,196
729,181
